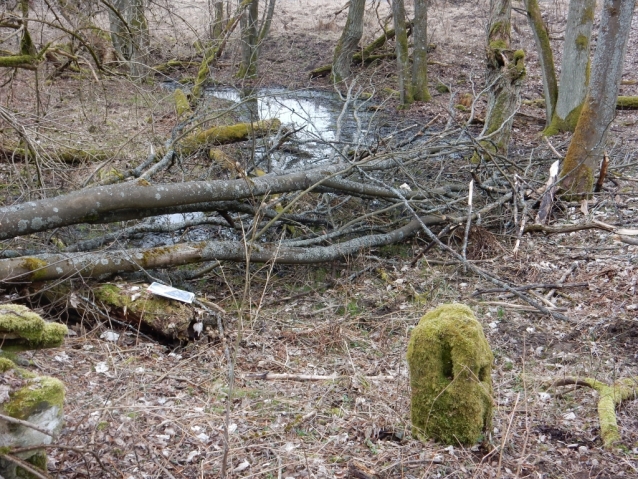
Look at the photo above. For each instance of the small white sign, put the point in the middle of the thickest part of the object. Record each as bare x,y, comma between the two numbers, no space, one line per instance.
172,293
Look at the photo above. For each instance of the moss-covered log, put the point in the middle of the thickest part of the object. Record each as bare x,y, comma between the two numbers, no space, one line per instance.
222,135
70,156
609,397
133,305
27,62
627,103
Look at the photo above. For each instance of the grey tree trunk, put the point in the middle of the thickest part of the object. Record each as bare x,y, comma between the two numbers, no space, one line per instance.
248,67
505,74
217,23
129,34
574,77
348,42
585,149
545,56
403,64
419,55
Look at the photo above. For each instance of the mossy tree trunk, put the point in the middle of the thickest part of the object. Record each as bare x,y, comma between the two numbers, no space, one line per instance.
574,77
420,52
403,62
348,42
505,74
249,35
545,56
129,34
585,149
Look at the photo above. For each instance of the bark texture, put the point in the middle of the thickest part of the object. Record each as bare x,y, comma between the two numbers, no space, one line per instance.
574,77
248,67
545,56
505,74
420,90
403,64
129,34
585,149
348,42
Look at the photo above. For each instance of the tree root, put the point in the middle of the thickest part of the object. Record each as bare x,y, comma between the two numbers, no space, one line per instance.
610,396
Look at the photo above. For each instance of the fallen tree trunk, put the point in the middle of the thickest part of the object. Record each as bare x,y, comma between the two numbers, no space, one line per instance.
223,135
46,267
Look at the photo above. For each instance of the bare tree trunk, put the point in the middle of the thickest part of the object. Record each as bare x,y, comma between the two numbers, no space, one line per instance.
348,42
264,28
217,23
585,149
505,74
248,67
574,77
403,64
129,34
420,52
545,56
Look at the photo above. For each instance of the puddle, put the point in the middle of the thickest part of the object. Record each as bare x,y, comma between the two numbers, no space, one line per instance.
314,113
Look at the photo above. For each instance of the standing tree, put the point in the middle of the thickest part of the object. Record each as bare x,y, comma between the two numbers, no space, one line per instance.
505,74
585,149
129,33
348,42
403,63
545,56
249,37
419,55
562,112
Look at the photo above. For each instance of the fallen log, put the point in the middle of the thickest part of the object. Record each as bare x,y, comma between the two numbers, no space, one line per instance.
222,135
46,267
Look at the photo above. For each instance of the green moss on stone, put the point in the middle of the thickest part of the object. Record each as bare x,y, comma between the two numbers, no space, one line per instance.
450,373
22,329
6,364
40,394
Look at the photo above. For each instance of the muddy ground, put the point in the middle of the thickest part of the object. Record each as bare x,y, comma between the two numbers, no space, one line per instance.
154,410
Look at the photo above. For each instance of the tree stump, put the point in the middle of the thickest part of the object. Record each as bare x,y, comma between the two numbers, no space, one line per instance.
450,373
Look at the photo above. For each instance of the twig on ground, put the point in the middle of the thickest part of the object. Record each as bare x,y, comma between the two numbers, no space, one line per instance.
552,286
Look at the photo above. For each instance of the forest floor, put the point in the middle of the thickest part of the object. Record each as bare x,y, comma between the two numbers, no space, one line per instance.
150,410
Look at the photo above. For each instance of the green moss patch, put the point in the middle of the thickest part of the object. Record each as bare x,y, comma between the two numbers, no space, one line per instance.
22,329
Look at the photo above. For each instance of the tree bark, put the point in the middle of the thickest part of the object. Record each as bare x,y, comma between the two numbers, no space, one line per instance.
545,56
420,52
403,64
348,42
585,149
574,77
248,67
505,74
129,34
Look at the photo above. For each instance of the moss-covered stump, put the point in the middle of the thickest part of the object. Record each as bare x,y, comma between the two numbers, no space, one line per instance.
450,374
222,135
21,329
38,400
